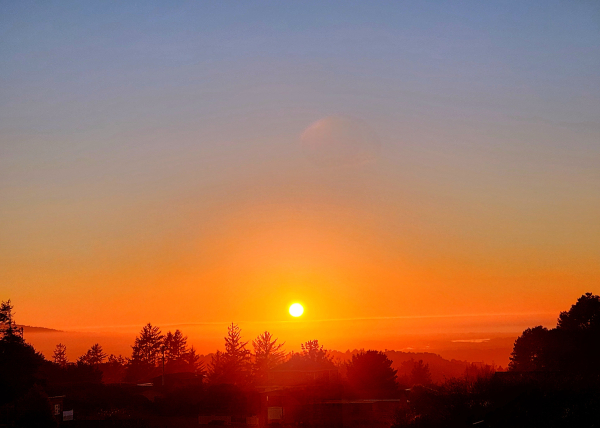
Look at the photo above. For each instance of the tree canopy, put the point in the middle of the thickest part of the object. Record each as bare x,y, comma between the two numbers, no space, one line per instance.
371,374
572,346
94,356
147,347
584,315
19,362
312,351
267,354
59,356
233,365
8,327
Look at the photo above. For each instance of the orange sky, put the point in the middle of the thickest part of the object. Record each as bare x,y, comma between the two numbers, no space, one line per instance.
348,242
185,173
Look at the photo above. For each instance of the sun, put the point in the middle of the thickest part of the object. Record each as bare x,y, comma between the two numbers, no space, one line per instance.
296,310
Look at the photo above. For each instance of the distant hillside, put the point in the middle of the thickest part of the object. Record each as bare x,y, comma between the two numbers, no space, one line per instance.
31,329
440,368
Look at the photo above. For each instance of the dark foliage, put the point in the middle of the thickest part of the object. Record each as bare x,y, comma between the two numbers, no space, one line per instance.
148,345
417,373
312,351
267,354
554,381
232,366
371,375
34,410
573,346
584,315
19,364
56,377
9,330
140,371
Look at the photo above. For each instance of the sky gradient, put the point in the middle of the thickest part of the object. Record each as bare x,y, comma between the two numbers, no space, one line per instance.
153,166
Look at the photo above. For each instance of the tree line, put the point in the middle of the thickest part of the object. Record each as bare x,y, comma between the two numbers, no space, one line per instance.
573,346
553,380
553,375
242,363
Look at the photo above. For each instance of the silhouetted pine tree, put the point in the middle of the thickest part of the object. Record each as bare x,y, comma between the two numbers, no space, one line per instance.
59,355
232,366
267,354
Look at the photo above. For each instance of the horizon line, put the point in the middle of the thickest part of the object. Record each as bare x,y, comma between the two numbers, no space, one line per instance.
380,318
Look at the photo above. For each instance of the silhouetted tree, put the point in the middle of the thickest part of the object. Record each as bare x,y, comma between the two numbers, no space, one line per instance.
420,375
97,354
311,350
584,315
113,359
147,347
177,354
314,365
34,410
573,346
233,365
192,362
94,356
216,368
8,326
371,373
530,350
512,401
267,354
59,355
474,372
235,349
113,371
175,345
19,362
146,353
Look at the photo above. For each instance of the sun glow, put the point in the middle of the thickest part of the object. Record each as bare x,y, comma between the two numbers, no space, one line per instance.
296,310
